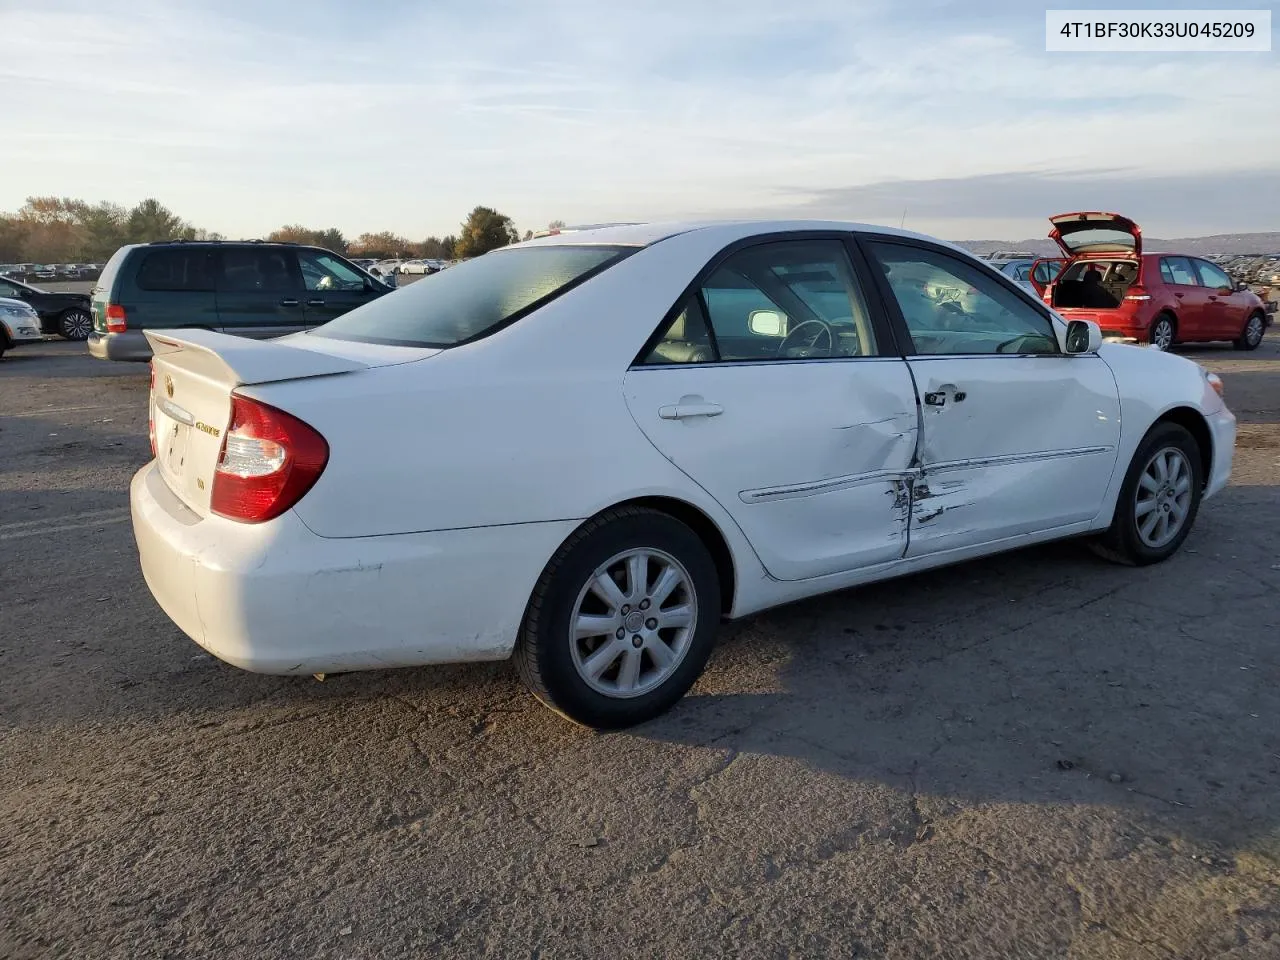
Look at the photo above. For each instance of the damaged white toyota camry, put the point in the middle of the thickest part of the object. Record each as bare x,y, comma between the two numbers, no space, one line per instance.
585,450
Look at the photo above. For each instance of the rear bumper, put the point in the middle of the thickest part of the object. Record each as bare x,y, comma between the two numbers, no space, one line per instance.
276,598
1222,425
130,345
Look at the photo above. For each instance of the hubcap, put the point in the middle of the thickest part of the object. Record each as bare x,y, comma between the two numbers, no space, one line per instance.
1163,498
633,623
1162,335
1253,332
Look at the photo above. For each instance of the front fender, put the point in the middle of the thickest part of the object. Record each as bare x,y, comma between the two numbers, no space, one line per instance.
1151,383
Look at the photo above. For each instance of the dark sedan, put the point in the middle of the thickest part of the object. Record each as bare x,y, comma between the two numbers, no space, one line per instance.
66,314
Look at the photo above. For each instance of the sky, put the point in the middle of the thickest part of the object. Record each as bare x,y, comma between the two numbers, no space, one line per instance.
244,115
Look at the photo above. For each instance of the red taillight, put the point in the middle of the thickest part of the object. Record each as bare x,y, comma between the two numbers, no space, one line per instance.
1136,292
115,319
269,459
151,411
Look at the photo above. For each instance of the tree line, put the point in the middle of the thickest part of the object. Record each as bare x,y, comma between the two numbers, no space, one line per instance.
66,230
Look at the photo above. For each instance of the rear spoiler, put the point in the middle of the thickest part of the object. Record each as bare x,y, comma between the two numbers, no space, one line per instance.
238,361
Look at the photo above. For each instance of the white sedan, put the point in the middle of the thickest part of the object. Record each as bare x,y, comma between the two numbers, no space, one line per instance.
584,451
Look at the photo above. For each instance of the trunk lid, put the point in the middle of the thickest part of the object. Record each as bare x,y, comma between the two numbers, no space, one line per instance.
195,373
1095,232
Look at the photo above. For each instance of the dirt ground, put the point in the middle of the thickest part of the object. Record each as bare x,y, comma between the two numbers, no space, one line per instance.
1038,755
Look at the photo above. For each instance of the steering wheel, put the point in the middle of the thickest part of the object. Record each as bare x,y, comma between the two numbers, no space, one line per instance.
807,343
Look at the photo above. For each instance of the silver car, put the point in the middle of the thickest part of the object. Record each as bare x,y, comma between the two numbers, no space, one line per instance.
19,323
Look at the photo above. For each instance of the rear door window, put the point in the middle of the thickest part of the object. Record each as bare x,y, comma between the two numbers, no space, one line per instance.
176,269
1177,270
265,269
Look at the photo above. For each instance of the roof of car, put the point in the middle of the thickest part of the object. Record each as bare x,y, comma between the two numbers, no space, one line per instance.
643,234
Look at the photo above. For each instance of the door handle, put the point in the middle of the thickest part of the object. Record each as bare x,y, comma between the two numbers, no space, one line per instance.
938,398
1178,295
289,302
315,303
683,411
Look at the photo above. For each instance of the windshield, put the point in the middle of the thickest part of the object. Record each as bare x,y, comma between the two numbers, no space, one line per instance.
10,287
474,298
1098,238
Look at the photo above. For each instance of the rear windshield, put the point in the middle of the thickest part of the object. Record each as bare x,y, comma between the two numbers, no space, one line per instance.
474,298
1107,238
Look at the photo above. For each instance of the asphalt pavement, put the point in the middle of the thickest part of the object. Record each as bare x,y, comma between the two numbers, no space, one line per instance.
1036,755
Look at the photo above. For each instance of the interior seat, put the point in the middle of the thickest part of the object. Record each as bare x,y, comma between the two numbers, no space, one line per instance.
686,341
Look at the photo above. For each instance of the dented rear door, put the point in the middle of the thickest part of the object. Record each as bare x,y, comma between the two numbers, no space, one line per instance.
1010,445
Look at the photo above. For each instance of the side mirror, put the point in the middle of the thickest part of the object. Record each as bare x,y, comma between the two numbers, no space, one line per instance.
1083,336
767,323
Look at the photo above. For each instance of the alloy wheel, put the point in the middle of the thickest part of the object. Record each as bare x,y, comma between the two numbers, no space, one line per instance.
1253,331
1162,335
76,325
633,623
1163,498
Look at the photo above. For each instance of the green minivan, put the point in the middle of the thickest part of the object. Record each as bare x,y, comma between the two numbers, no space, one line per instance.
250,288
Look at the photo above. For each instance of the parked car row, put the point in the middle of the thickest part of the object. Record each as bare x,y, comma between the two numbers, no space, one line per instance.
50,271
394,266
269,289
1262,270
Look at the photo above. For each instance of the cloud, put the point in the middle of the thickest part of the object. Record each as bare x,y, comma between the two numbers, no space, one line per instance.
1163,205
242,116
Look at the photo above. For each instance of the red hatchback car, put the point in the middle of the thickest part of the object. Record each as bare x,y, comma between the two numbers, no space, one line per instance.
1155,298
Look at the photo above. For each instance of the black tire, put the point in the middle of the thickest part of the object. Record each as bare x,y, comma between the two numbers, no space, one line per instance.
1155,335
544,653
1122,543
1252,333
75,324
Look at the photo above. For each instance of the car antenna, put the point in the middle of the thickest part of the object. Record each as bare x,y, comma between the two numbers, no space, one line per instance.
902,222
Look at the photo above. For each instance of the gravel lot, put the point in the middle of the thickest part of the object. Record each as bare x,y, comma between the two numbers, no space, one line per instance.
1039,755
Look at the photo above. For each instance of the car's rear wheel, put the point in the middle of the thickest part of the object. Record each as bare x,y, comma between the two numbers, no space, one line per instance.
1159,500
75,324
1163,332
622,620
1252,333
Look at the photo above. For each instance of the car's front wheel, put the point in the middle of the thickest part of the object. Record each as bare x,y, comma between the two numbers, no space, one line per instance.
622,620
75,325
1252,333
1159,499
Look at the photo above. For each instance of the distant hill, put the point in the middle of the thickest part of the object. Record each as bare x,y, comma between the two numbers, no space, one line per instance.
1196,246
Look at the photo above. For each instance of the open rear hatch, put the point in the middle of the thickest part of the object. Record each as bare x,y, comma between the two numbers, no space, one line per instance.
1095,232
194,373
